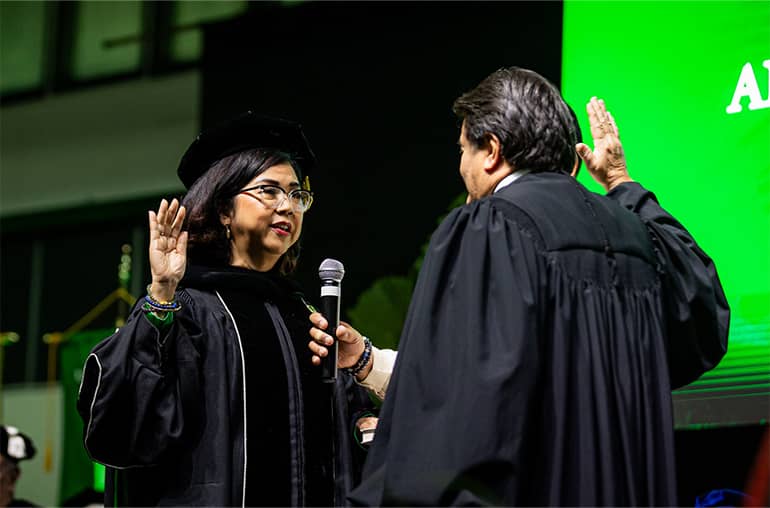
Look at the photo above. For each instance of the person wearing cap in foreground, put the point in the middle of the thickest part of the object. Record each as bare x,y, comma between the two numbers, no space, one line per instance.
14,447
548,324
206,396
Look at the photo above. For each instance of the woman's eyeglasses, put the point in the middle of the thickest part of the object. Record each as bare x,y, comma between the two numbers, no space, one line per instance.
272,197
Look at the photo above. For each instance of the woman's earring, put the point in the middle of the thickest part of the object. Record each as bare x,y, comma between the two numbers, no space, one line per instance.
227,231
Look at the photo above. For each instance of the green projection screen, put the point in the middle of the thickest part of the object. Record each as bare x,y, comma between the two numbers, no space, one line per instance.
688,85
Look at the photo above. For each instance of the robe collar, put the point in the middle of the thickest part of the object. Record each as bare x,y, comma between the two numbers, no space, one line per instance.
508,180
270,285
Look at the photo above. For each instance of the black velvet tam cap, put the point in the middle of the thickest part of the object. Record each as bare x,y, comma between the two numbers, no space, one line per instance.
244,132
14,445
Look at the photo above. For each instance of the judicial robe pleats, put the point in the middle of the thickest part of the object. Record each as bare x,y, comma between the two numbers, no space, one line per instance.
546,331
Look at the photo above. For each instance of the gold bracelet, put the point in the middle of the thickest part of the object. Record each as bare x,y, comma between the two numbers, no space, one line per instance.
155,300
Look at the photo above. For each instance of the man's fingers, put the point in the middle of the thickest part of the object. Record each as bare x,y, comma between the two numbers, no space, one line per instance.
318,320
594,120
584,152
598,109
321,337
344,334
347,333
317,349
604,118
592,108
590,111
601,111
315,360
613,124
588,157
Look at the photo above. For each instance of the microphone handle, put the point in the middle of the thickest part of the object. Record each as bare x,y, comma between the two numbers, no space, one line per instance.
330,308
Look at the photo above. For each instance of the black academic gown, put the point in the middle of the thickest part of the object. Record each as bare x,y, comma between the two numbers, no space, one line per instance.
546,331
223,409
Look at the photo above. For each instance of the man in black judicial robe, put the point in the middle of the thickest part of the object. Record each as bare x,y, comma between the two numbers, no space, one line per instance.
548,325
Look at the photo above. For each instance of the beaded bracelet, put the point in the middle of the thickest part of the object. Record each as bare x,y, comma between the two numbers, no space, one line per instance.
363,360
155,317
172,306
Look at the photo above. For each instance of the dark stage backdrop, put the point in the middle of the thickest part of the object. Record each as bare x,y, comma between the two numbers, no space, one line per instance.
373,85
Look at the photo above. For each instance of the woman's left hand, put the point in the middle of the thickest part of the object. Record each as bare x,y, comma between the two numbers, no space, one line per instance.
366,427
367,422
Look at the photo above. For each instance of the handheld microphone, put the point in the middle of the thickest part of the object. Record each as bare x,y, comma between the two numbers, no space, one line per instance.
330,272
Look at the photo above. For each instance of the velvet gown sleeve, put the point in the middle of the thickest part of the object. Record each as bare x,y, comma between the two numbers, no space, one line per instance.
137,392
698,315
468,359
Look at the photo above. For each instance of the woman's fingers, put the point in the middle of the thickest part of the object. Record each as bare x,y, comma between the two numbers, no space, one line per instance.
181,244
367,422
162,213
153,218
167,222
176,226
171,213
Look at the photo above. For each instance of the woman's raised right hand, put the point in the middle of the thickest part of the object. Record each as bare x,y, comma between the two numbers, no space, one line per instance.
168,249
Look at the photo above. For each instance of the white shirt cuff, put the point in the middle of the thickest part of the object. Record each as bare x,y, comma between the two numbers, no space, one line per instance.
382,367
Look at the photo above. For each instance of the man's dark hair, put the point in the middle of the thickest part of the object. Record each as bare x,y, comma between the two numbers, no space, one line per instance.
213,194
526,113
578,136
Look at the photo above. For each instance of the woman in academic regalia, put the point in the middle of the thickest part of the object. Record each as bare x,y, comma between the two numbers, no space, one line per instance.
206,396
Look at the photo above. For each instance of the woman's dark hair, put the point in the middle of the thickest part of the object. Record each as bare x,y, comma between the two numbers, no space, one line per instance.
528,116
213,195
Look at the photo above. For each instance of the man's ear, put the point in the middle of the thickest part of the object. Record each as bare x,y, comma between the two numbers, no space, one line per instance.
494,155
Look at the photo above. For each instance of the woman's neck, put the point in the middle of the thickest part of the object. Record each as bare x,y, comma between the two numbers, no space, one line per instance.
259,264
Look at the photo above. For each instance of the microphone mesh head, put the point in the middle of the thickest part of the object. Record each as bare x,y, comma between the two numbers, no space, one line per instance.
331,269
